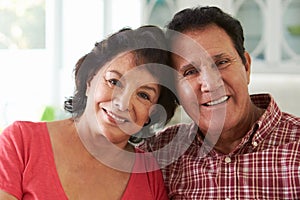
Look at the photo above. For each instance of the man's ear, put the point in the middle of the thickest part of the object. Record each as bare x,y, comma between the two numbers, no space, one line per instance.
247,65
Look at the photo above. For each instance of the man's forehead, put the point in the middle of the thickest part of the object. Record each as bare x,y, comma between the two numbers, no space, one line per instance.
192,58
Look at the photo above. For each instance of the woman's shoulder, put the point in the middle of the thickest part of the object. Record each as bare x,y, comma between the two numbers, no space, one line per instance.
26,124
21,133
22,127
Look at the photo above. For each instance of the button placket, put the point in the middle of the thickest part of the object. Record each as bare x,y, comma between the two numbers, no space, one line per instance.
255,144
227,159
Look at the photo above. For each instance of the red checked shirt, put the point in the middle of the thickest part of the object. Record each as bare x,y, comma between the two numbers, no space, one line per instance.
265,165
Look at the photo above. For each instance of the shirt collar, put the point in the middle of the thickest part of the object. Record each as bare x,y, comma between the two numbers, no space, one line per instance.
268,121
261,128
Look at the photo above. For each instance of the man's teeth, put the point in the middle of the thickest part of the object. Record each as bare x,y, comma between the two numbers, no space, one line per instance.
118,119
218,101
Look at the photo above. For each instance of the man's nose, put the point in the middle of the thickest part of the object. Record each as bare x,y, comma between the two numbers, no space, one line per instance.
209,79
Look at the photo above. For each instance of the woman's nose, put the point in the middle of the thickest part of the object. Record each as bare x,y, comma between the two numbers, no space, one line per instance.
121,101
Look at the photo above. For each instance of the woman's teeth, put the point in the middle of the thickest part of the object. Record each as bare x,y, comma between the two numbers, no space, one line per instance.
218,101
116,118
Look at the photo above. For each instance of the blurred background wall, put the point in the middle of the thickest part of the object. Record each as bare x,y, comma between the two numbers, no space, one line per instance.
41,40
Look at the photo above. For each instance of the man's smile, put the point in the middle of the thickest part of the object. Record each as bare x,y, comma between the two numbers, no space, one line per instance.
217,101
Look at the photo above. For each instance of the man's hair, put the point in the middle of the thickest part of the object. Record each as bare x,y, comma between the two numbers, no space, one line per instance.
200,17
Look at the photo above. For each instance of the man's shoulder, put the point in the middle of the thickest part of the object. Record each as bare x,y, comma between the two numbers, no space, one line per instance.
172,130
168,135
290,121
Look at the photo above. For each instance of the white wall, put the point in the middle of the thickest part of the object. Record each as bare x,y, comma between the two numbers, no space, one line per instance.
285,88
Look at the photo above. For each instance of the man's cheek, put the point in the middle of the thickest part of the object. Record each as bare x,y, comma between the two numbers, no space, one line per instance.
188,99
186,92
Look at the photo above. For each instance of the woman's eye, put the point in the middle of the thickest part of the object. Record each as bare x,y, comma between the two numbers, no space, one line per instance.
115,82
189,72
144,95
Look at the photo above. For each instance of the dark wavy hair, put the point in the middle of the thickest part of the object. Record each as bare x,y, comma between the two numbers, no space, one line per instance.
148,43
200,17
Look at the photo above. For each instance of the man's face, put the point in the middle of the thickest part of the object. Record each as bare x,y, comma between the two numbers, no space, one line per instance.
213,84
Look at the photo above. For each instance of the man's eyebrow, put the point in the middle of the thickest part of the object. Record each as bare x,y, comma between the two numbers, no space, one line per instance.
223,55
218,56
186,66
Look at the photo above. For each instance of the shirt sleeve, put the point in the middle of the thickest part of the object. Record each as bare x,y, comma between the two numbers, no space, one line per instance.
11,160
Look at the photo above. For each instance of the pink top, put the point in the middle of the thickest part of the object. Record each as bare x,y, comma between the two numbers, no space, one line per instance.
28,171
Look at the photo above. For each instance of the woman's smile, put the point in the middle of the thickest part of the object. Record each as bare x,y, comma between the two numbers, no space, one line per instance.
114,118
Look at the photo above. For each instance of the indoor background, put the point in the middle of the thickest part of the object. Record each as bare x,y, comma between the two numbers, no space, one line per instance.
41,40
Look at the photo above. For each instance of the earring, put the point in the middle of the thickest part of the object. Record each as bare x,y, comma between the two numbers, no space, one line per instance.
148,122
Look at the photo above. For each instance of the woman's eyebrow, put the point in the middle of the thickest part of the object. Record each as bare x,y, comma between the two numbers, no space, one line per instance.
115,72
146,87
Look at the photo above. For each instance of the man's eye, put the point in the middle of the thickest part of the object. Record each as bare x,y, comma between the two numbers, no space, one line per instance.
191,71
114,82
222,63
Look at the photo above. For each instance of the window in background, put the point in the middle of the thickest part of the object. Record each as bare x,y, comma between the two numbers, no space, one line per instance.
254,42
291,30
40,42
22,24
272,33
25,59
158,12
272,36
121,13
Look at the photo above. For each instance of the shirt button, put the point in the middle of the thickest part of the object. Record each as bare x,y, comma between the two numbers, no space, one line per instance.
254,144
227,159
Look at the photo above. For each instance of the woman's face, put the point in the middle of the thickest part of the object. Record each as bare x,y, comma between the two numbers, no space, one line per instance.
120,99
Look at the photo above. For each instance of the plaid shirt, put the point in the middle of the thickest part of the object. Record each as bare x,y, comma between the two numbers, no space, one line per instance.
265,165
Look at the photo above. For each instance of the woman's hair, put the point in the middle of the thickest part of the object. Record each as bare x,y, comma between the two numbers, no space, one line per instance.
200,17
148,44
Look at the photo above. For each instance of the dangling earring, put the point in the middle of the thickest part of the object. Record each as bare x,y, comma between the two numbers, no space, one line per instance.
148,122
138,138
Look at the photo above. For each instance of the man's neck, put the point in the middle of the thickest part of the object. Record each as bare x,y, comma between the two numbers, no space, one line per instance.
229,140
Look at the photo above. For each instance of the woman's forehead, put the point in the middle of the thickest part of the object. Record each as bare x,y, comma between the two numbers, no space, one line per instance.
125,67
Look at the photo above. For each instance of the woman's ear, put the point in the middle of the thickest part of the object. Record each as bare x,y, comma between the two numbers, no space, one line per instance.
87,88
